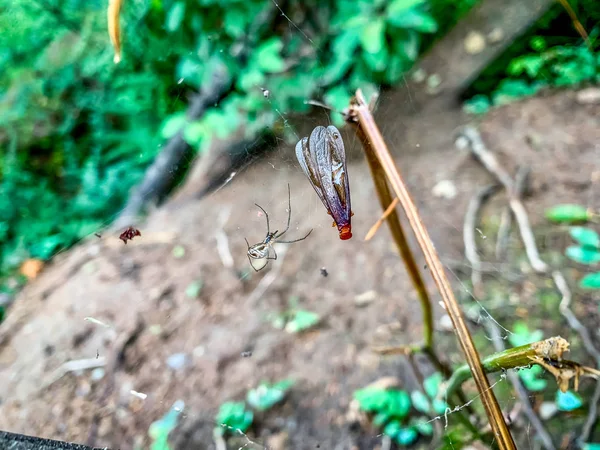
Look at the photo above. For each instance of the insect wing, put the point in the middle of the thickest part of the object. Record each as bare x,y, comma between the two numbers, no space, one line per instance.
308,167
325,151
338,165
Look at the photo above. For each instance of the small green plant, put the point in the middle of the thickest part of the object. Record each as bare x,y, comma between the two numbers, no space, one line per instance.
568,401
295,320
587,253
529,376
233,416
159,430
265,396
548,67
391,409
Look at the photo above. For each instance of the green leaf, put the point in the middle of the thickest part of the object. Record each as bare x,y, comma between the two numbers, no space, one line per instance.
338,97
414,19
372,36
264,396
568,401
398,403
371,399
377,62
432,384
439,406
567,214
172,125
392,428
530,378
268,58
522,335
583,255
235,21
381,419
420,401
250,79
591,446
233,417
175,16
194,132
194,289
590,281
425,428
585,236
406,436
301,321
398,6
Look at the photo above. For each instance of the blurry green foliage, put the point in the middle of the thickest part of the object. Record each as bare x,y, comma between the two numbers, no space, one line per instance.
551,54
77,131
391,409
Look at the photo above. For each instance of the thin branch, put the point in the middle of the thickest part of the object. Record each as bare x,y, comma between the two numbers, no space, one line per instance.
379,222
592,416
520,187
378,173
490,162
471,219
375,145
572,320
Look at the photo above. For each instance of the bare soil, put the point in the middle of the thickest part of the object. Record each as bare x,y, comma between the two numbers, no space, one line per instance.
139,290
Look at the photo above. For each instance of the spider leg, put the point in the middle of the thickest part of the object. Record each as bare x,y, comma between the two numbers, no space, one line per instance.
267,216
289,214
295,240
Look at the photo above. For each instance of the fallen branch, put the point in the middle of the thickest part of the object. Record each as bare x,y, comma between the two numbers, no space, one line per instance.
469,226
375,147
520,187
490,162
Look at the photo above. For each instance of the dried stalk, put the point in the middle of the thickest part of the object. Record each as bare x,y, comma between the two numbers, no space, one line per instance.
490,162
469,236
374,144
386,200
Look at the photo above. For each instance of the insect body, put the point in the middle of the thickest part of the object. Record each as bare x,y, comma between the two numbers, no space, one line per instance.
264,249
323,159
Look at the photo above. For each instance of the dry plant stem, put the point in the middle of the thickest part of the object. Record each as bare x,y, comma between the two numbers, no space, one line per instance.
469,236
384,216
576,23
490,162
471,220
573,321
506,218
592,416
359,111
385,199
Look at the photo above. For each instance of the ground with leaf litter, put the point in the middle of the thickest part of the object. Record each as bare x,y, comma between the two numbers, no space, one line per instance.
176,321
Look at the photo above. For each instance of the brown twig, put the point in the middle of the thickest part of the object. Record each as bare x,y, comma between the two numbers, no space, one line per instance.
386,200
375,145
576,23
490,162
379,222
592,416
520,187
471,219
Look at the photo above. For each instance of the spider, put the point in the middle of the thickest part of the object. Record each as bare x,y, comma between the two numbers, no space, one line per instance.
265,248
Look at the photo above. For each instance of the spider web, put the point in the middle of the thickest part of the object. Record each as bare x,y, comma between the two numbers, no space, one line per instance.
299,261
